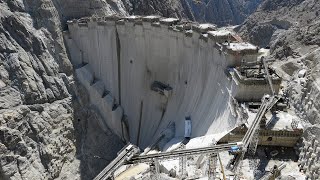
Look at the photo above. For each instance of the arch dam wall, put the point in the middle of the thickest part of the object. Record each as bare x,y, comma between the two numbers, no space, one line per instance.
117,60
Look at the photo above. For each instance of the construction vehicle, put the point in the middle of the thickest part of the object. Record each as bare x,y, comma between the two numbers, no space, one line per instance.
234,150
274,173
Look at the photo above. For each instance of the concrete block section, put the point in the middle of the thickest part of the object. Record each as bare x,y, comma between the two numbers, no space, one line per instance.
112,18
243,47
108,102
151,19
241,52
169,21
203,28
85,76
134,18
105,106
74,51
101,100
97,88
221,36
253,88
117,115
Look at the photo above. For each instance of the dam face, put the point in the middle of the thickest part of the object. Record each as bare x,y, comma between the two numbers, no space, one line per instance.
145,74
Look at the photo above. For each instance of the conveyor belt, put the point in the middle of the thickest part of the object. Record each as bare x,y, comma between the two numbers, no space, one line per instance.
248,137
184,152
123,156
255,124
266,105
268,75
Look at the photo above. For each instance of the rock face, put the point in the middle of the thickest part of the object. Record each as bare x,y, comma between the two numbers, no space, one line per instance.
295,19
292,31
41,136
165,8
220,12
37,141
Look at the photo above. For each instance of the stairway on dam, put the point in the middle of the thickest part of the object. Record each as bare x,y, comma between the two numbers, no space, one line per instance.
118,59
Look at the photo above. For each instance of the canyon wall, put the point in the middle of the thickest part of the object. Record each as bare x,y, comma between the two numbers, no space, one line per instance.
291,30
220,12
44,132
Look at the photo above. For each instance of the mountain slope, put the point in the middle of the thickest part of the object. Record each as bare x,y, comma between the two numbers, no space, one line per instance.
220,12
292,31
297,16
44,127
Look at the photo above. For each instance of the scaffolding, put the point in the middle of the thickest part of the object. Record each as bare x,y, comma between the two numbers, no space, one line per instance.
212,164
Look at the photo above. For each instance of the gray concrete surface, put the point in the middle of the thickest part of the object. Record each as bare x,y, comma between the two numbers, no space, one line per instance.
128,57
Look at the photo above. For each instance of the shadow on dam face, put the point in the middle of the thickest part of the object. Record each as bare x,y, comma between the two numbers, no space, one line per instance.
118,62
96,146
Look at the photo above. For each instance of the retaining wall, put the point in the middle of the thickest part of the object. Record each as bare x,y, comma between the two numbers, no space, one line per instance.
253,89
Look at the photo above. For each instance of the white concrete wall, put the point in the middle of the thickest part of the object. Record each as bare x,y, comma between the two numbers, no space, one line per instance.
157,54
236,60
97,43
254,90
252,93
104,105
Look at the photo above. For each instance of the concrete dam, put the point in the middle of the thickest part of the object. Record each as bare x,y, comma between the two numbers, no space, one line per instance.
145,75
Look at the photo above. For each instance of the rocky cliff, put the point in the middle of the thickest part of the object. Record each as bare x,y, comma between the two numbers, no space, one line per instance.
295,19
292,31
44,127
220,12
165,8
